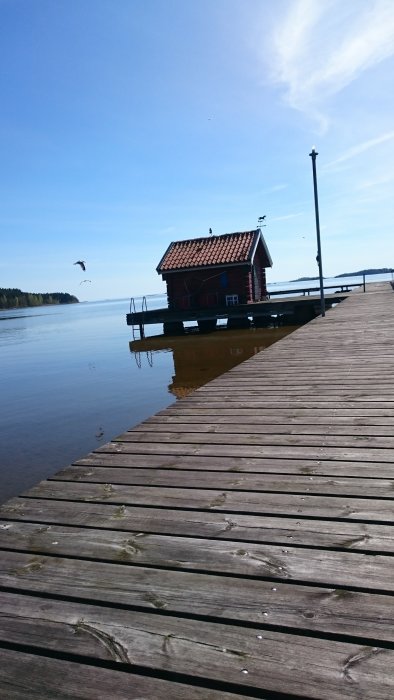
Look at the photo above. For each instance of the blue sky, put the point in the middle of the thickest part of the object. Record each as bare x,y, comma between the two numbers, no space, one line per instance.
125,125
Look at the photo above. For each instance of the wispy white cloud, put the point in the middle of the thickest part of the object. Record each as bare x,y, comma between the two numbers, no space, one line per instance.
377,182
287,216
271,190
360,148
321,47
275,188
166,231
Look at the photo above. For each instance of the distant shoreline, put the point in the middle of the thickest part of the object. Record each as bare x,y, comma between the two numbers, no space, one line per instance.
13,298
379,271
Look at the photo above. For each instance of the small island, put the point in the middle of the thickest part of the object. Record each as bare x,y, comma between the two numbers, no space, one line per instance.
305,279
371,271
16,299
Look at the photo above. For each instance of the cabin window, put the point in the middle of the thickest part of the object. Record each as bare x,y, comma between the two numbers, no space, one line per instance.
231,299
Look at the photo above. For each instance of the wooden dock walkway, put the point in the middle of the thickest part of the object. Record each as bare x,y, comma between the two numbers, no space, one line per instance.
238,544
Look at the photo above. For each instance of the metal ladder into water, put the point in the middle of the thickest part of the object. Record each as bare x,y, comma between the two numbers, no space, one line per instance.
138,327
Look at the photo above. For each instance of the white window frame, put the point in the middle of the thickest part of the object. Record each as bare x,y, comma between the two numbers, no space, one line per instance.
232,300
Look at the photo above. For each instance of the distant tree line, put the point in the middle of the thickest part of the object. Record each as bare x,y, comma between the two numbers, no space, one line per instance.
15,298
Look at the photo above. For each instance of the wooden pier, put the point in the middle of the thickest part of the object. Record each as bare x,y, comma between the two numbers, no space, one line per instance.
294,309
238,544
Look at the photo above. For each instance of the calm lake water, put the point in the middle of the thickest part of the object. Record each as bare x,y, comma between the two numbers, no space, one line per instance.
70,381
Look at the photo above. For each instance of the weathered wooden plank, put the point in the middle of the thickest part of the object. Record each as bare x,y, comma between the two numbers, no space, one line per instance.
321,356
283,402
163,434
209,499
321,349
221,463
323,414
224,393
352,569
350,425
276,451
208,424
242,528
272,389
313,381
322,370
289,483
276,662
293,606
255,400
318,371
35,677
327,379
274,382
324,363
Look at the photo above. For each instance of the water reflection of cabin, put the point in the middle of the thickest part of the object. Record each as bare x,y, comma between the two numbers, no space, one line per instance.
225,270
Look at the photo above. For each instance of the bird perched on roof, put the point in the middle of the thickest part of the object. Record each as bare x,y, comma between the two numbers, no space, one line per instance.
210,232
81,263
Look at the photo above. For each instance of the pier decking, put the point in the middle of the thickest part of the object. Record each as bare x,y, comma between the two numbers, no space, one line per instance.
237,544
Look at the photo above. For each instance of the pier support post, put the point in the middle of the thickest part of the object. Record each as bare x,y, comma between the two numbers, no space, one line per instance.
173,328
206,325
238,322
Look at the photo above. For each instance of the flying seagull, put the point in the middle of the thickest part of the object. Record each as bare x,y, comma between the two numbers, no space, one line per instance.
85,281
81,263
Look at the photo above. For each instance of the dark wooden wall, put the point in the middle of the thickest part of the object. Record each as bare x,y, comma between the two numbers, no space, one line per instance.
209,287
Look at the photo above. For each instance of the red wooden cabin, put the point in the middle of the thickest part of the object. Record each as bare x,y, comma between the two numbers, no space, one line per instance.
216,271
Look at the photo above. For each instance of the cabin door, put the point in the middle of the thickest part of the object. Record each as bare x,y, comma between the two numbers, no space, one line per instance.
256,285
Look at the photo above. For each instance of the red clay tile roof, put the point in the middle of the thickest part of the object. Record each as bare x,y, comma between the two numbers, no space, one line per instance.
230,248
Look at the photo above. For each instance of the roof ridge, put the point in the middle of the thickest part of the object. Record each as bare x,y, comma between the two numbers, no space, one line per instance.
214,237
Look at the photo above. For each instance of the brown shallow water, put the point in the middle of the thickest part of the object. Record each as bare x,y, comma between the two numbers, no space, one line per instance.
199,358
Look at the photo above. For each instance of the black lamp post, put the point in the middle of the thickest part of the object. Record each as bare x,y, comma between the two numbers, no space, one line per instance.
318,257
